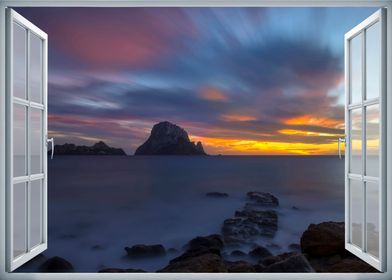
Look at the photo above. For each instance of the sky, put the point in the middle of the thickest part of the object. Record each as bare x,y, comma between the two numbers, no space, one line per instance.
244,81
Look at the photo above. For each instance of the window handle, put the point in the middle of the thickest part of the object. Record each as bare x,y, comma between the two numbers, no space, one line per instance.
341,140
52,141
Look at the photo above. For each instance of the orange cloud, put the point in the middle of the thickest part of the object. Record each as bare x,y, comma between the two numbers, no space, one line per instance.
238,118
254,147
213,94
305,133
312,120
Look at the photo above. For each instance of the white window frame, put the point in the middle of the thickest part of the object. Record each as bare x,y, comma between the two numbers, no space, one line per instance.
193,3
13,263
379,263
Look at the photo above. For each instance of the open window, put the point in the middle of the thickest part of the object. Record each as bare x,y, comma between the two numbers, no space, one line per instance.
365,114
365,124
26,146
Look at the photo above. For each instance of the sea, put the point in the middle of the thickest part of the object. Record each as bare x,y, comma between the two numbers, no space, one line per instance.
98,205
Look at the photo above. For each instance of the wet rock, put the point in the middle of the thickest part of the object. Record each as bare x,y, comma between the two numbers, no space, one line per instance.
198,260
240,266
120,270
142,250
259,267
351,265
263,199
323,239
213,241
203,254
248,225
217,194
56,264
237,253
260,252
294,263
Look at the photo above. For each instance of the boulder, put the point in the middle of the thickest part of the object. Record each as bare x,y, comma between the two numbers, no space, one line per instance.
247,225
274,259
142,250
293,263
169,139
351,265
203,254
121,270
260,252
262,199
240,266
237,253
56,264
323,239
217,194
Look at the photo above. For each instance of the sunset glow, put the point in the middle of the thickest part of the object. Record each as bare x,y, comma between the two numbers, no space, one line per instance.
244,81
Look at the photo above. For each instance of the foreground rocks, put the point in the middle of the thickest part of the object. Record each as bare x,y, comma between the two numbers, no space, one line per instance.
56,264
323,245
169,139
255,220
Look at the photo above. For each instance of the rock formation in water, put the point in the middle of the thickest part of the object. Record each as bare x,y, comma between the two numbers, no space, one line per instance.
169,139
99,148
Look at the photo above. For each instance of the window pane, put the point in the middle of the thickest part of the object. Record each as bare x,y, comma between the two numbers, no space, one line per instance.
19,140
356,69
373,61
356,211
36,140
356,141
372,218
19,219
36,213
35,68
372,140
19,62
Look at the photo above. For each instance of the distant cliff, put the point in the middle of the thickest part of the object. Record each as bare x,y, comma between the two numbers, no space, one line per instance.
99,148
169,139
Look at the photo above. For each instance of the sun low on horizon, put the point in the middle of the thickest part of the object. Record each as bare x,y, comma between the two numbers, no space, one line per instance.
243,81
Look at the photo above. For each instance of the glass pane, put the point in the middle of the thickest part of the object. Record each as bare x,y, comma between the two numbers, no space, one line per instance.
36,140
372,218
35,212
356,211
35,68
372,140
356,141
356,69
373,61
19,140
19,219
19,62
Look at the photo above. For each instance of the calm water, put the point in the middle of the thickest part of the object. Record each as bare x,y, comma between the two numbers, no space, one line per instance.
100,204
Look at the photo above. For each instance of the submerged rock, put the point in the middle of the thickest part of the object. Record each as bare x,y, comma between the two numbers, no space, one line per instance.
217,194
56,264
262,199
141,250
247,225
169,139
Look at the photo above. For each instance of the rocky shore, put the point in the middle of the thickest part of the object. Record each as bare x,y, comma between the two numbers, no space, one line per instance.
320,249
